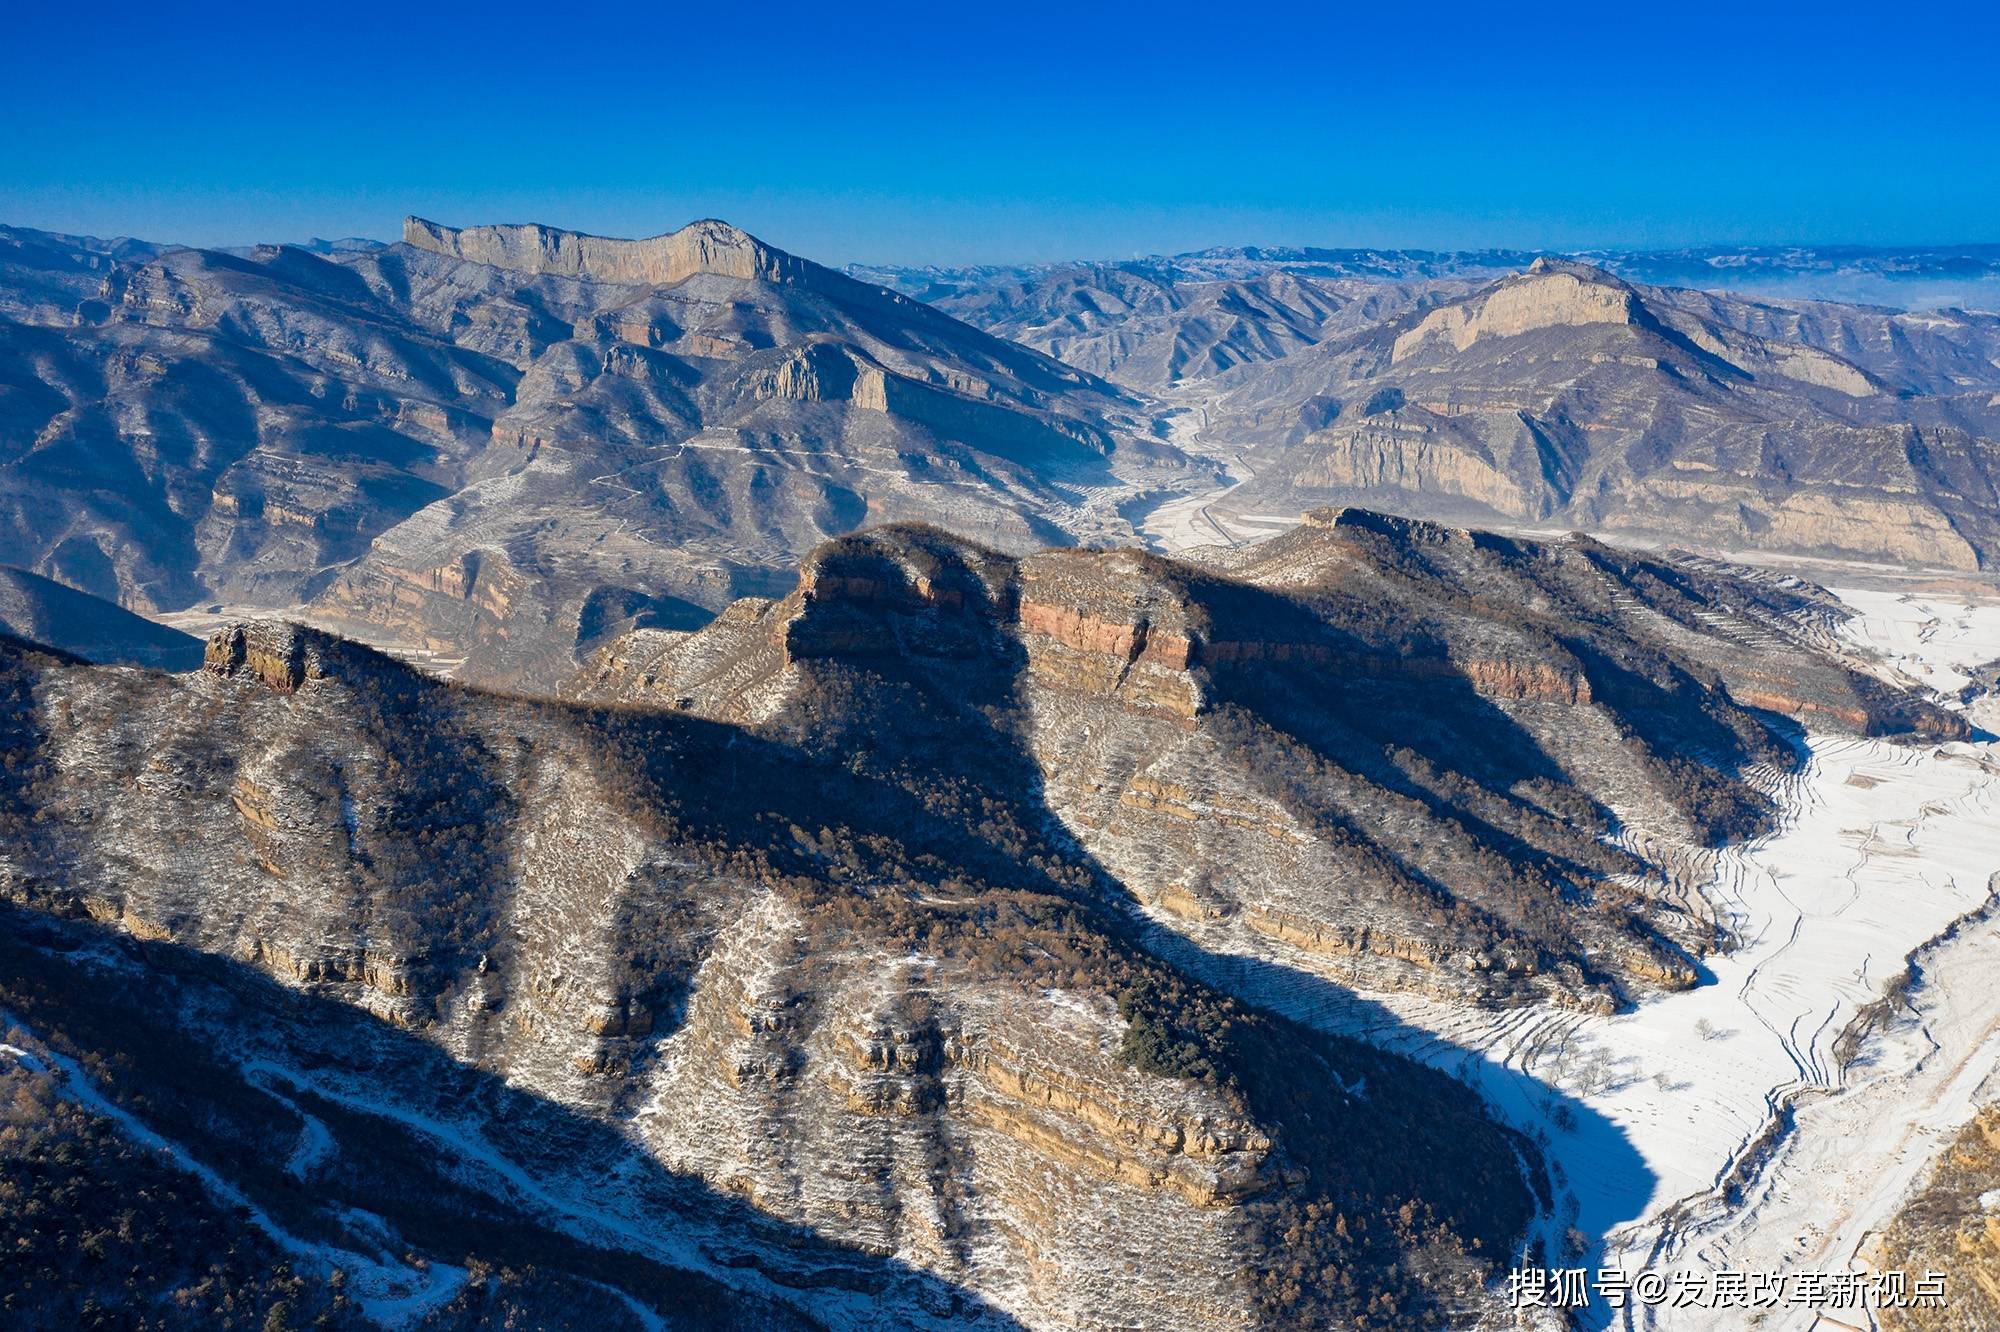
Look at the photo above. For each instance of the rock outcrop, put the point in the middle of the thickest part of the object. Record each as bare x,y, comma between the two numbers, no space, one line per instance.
1564,393
743,1010
1950,1226
459,444
705,247
1386,750
1548,295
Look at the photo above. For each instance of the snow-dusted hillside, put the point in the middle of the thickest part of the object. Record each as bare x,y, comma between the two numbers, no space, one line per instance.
1731,1127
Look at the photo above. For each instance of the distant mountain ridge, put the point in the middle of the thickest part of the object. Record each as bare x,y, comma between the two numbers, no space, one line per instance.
479,439
40,610
1564,393
707,246
495,446
1930,275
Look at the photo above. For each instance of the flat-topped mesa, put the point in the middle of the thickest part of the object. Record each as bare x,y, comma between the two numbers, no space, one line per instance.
1391,537
909,565
1581,271
1415,530
707,246
1552,293
287,656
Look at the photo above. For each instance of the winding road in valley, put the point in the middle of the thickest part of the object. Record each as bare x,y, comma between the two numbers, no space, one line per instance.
1190,521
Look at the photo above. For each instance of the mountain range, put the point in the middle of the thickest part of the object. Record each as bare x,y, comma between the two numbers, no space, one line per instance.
548,780
492,448
1567,397
1562,396
890,952
1903,277
490,443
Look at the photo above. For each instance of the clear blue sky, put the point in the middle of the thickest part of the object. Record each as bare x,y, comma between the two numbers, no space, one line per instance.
937,133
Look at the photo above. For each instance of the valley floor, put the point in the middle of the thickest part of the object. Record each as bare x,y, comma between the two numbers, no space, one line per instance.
1730,1127
1759,1148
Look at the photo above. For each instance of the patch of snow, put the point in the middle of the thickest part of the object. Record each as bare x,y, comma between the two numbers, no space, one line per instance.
648,1319
315,1144
389,1295
611,1212
1646,1115
1928,640
1881,850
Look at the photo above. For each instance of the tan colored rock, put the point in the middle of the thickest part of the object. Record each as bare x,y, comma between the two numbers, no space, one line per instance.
700,247
1406,458
1544,297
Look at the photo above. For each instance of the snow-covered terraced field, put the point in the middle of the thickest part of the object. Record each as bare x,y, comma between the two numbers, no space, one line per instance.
1882,849
1718,1127
1934,642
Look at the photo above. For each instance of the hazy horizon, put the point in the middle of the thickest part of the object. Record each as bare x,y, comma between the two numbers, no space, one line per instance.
390,235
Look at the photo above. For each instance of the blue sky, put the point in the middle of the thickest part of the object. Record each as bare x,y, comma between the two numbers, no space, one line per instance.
943,133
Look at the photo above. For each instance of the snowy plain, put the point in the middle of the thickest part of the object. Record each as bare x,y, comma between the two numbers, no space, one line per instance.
1729,1127
1719,1128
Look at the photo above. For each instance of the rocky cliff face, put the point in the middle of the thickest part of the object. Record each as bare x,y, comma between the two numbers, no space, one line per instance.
1564,395
461,443
710,247
735,1010
1386,751
1561,393
1951,1226
1547,297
